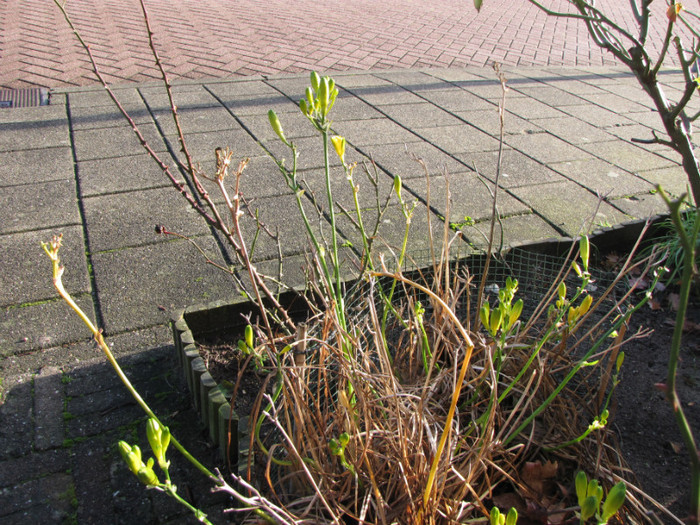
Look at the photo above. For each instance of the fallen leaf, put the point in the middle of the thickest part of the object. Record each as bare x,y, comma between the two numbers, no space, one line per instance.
654,304
535,474
677,447
638,284
674,300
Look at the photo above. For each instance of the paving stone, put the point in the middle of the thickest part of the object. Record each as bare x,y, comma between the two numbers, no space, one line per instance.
573,130
616,103
454,100
373,131
420,115
30,166
91,466
34,135
554,203
129,219
16,422
295,125
361,80
25,270
112,142
672,179
202,146
398,159
48,408
51,492
528,108
489,121
517,169
43,325
545,148
36,465
597,116
642,206
139,286
109,116
514,230
54,112
550,95
627,156
310,150
239,87
128,173
458,139
196,120
99,97
39,206
603,178
386,94
469,197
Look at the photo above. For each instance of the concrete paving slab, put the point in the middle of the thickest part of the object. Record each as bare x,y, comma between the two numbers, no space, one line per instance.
528,108
642,206
39,206
488,121
569,208
48,408
37,326
113,142
397,159
573,130
545,148
627,156
97,96
358,80
202,146
373,131
25,270
672,179
96,117
616,103
514,230
140,286
603,178
386,95
597,116
517,169
119,174
458,139
30,166
310,150
129,219
295,125
420,115
56,112
548,94
470,199
33,135
455,100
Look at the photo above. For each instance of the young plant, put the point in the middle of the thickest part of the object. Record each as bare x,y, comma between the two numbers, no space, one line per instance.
590,497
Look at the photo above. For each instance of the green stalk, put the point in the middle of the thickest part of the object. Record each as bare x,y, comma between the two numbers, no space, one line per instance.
689,247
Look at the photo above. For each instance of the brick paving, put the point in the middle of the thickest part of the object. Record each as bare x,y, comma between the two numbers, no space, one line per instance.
229,38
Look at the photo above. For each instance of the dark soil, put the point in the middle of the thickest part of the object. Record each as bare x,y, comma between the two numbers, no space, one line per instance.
649,436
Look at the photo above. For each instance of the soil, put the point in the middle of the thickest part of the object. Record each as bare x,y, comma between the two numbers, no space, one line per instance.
649,436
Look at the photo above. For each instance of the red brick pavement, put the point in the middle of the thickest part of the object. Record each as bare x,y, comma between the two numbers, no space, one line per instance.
224,38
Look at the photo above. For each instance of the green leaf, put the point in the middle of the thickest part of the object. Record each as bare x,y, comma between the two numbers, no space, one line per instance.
589,508
512,517
477,4
581,486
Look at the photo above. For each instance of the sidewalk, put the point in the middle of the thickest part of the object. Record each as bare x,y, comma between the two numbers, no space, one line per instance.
76,168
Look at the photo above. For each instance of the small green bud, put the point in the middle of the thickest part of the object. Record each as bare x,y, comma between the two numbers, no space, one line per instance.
496,320
561,291
276,125
146,475
304,107
398,184
249,336
344,439
581,487
324,96
619,361
615,500
131,455
310,100
484,315
496,518
512,516
584,249
589,508
576,268
315,80
585,305
159,439
515,312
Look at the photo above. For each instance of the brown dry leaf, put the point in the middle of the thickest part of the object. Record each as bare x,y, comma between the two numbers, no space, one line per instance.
638,284
677,447
535,474
691,327
654,304
674,300
508,500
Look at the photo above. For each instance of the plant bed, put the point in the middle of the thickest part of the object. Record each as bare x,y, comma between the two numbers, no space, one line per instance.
199,326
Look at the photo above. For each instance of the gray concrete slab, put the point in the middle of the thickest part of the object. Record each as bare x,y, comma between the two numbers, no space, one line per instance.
373,131
113,142
573,130
517,169
546,148
49,133
397,159
127,173
458,139
510,232
129,219
30,166
25,270
140,286
569,208
603,178
39,206
627,156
